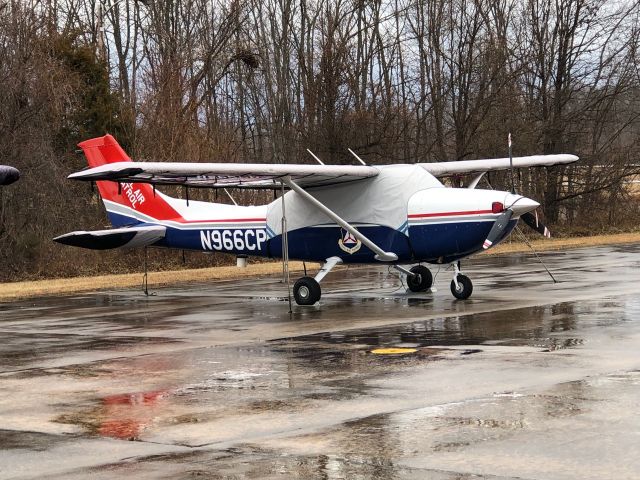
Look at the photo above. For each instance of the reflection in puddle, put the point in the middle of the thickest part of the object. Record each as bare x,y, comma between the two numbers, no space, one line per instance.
541,326
125,416
122,416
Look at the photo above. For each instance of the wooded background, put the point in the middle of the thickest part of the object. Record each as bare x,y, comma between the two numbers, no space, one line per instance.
262,81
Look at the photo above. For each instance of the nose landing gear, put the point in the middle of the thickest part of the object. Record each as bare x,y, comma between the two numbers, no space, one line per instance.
461,286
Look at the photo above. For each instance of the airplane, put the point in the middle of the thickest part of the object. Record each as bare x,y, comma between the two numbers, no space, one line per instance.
337,214
8,175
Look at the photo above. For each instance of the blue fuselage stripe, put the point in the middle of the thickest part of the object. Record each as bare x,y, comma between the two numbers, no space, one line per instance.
432,242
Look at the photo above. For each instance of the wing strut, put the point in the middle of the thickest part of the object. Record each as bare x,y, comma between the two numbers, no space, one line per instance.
476,180
381,255
285,249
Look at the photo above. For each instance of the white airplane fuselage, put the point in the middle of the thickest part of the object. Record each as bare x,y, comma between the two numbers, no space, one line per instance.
404,210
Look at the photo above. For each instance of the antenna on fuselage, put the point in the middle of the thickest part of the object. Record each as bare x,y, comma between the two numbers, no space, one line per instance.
314,156
229,195
357,157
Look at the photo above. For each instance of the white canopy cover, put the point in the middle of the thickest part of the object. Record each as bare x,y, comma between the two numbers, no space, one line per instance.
374,200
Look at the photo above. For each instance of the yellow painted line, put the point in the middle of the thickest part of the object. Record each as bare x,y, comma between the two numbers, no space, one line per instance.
393,351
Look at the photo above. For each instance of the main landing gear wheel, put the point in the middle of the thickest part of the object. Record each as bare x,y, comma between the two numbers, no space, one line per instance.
421,281
464,288
306,291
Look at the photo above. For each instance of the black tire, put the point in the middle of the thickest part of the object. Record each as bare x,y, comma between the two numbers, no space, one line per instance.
465,287
421,281
306,291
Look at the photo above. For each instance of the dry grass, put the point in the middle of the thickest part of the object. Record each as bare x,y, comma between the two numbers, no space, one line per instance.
545,244
16,290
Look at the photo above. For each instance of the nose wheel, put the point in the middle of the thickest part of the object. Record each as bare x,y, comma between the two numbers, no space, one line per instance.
461,285
463,289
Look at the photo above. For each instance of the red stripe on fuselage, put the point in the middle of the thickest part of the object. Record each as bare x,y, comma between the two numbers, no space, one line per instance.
450,214
225,220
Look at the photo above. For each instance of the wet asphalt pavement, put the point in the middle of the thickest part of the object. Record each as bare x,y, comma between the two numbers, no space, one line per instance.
526,379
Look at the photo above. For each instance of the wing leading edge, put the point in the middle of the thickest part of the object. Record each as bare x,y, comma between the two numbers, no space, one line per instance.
443,169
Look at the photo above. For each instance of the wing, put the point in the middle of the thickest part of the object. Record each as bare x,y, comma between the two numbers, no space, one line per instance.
443,169
218,175
114,238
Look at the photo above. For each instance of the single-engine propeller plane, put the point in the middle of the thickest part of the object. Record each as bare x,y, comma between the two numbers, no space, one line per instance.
390,214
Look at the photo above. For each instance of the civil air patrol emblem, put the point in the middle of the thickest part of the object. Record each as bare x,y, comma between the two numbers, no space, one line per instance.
348,242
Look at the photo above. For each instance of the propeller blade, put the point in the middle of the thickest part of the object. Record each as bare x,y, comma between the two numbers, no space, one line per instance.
498,228
532,220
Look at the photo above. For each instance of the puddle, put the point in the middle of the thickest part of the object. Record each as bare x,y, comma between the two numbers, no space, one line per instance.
543,327
492,428
35,441
288,373
21,349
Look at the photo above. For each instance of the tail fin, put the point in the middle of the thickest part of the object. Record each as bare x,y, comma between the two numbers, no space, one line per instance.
126,203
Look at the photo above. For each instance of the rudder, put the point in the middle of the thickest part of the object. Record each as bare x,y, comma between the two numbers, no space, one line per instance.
126,203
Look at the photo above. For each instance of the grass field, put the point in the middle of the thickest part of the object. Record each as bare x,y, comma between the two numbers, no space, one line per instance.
17,290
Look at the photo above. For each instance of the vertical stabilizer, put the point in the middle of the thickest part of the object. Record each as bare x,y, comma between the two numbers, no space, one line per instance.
126,203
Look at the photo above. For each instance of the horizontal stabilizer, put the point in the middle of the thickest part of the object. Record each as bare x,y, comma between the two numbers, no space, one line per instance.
115,238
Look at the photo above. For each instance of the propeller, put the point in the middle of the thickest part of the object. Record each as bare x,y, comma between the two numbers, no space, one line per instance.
529,218
527,213
501,223
8,175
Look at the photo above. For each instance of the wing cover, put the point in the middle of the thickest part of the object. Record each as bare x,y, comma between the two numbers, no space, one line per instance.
443,169
217,175
115,238
264,175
